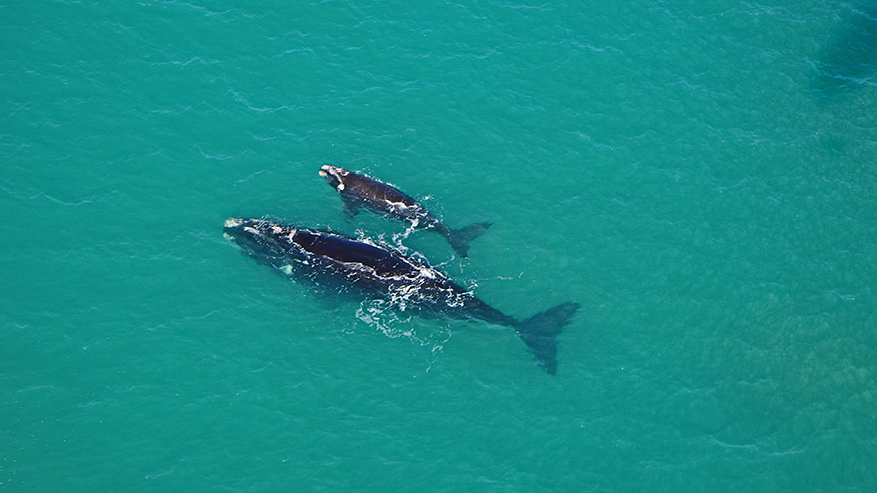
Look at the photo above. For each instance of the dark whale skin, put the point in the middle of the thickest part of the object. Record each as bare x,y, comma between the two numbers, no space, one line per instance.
368,269
358,191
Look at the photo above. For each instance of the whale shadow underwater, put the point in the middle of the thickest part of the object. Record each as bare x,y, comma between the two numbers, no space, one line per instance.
367,270
848,58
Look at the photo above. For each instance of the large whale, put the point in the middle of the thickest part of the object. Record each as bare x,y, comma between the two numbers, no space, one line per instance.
367,269
361,191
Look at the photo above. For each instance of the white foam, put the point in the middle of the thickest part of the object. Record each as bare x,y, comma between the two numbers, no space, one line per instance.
381,315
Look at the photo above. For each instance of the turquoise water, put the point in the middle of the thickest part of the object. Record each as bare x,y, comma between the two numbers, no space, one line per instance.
699,176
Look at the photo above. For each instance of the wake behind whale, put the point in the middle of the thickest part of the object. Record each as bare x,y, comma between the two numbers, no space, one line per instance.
369,270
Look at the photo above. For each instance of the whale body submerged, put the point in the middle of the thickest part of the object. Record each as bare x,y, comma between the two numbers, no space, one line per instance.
371,270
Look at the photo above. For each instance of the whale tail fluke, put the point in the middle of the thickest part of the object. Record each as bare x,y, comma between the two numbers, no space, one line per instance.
460,238
540,331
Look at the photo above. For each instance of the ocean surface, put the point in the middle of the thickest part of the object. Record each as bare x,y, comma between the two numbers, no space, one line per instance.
700,176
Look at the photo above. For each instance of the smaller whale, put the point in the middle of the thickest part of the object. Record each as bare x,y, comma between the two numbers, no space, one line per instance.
361,191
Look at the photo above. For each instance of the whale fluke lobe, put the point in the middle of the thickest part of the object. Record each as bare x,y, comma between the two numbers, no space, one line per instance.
540,332
459,239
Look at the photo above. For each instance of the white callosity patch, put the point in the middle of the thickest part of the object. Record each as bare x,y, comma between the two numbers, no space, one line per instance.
337,173
233,222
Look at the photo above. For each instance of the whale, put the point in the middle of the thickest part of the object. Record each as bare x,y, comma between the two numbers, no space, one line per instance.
358,191
365,269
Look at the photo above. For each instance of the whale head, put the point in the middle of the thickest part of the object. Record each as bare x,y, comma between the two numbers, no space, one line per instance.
334,175
262,239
